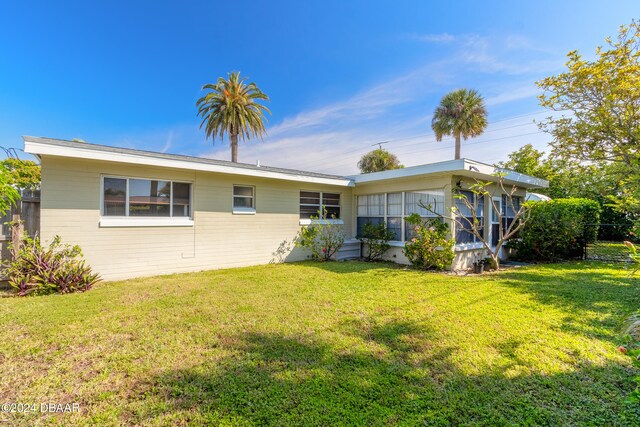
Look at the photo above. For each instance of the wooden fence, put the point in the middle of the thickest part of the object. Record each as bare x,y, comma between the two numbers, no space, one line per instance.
27,211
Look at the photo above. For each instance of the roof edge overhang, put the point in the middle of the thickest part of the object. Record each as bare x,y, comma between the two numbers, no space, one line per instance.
461,167
38,147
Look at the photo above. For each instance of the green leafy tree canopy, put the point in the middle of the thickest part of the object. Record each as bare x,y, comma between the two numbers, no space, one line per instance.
23,174
598,102
379,160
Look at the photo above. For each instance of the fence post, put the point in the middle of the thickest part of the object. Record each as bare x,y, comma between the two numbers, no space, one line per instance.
16,236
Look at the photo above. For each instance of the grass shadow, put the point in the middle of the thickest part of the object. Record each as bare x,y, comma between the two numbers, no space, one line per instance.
594,295
284,381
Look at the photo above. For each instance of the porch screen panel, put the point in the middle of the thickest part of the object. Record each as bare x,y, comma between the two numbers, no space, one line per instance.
394,214
465,216
370,211
434,199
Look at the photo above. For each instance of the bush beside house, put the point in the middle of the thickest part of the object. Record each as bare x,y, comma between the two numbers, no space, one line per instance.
58,268
323,237
431,246
375,238
557,229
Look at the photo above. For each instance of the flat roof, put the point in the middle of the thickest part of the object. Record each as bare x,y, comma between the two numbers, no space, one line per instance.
40,146
460,167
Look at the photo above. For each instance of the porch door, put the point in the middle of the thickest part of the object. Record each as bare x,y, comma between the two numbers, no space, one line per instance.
495,220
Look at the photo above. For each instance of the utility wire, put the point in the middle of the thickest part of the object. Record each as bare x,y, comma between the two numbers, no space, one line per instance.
314,163
423,149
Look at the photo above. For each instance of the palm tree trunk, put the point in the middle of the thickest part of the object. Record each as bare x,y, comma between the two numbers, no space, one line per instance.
234,148
457,146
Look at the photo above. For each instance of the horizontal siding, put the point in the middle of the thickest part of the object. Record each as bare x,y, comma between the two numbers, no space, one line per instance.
218,239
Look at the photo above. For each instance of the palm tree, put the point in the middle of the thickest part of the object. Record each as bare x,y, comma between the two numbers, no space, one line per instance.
461,113
231,108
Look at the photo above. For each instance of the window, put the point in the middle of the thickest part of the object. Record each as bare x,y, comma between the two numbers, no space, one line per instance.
412,204
465,216
243,199
149,198
115,197
312,202
509,209
370,211
135,197
508,212
392,208
394,214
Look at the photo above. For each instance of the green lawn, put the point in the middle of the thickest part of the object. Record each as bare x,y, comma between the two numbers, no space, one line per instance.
328,344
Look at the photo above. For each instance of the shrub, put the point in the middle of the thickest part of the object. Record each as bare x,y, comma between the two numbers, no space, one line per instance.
376,238
631,347
430,247
322,237
39,270
557,229
634,255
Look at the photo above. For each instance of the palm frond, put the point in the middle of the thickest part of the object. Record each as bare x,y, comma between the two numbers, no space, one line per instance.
230,108
461,112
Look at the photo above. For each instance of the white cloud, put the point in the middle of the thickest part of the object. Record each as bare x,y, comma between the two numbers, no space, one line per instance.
433,38
167,145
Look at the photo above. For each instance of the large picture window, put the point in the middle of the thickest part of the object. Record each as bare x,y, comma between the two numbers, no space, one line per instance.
392,209
137,197
312,202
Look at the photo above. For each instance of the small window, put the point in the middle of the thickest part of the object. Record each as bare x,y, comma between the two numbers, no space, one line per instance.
243,198
331,203
309,204
312,202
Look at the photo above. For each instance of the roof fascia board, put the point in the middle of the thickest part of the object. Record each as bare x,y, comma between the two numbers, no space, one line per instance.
409,172
463,167
38,148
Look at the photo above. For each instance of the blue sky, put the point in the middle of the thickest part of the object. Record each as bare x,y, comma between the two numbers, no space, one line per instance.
341,75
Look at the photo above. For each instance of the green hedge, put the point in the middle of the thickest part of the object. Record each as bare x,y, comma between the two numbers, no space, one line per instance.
557,229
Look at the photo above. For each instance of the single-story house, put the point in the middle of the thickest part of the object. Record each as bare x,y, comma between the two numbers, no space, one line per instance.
140,213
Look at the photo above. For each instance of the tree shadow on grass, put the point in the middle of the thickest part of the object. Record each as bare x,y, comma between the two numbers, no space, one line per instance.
400,376
594,299
352,267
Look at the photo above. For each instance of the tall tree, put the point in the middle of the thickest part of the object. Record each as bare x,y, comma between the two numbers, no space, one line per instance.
379,160
461,114
8,194
231,108
23,174
599,106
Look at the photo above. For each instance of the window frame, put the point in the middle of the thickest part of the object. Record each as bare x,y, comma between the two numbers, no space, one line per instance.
243,210
404,214
144,221
307,221
479,216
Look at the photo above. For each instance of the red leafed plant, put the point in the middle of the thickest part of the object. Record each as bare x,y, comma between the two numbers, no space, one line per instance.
58,268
